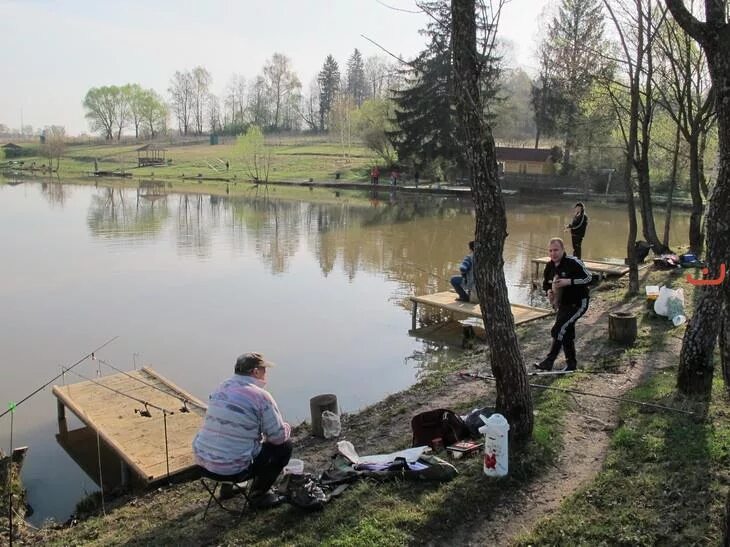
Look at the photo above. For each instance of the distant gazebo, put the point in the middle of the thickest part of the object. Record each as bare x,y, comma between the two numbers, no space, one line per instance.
151,154
12,150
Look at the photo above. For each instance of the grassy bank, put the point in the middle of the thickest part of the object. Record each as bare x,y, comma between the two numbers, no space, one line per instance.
291,160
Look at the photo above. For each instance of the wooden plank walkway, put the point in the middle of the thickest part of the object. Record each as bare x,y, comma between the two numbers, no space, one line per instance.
139,441
606,269
447,301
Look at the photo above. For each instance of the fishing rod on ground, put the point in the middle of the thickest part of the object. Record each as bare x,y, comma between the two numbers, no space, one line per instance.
49,382
145,413
487,378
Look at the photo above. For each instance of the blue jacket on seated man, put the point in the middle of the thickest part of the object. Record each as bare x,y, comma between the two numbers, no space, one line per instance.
464,284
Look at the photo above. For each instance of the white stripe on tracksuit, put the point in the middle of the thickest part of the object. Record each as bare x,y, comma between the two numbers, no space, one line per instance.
581,310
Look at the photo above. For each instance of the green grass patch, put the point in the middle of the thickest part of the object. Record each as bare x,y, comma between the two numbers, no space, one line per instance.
663,481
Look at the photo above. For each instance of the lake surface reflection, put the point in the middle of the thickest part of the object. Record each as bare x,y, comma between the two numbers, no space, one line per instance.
188,282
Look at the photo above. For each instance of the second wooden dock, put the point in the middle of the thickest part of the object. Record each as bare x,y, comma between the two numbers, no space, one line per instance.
447,301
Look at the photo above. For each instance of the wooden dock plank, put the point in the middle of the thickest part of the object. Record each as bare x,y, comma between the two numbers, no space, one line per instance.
447,301
138,440
597,266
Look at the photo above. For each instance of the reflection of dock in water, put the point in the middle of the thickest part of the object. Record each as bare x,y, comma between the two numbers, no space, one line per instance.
94,458
151,190
146,421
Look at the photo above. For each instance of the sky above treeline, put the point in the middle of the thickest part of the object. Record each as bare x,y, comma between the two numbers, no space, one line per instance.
56,50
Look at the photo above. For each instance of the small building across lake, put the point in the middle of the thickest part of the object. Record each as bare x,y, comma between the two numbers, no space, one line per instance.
151,154
530,161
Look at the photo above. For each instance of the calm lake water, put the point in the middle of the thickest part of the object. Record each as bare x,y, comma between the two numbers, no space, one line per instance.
190,282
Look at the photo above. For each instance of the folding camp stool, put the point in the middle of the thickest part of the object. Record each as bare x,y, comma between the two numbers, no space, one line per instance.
206,477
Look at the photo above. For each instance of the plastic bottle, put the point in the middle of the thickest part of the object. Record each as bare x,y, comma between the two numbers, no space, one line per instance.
496,450
331,425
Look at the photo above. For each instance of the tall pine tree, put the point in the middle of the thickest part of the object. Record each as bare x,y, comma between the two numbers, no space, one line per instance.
572,57
425,116
357,86
329,84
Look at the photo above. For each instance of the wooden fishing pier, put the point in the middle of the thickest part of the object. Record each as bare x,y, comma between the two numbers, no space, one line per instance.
447,301
123,409
604,269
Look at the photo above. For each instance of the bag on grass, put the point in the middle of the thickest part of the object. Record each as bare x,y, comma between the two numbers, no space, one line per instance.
438,424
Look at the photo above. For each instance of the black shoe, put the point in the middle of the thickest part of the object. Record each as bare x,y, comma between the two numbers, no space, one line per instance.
267,500
227,492
460,299
546,365
570,367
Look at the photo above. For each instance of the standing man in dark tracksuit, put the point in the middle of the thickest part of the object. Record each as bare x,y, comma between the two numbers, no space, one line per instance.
578,227
566,281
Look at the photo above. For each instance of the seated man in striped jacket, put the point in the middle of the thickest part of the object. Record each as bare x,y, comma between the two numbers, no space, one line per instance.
243,431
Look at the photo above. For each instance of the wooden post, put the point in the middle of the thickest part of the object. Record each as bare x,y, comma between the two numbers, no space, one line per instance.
414,315
622,327
62,423
124,469
60,410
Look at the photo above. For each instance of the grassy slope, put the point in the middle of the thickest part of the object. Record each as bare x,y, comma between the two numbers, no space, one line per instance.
291,159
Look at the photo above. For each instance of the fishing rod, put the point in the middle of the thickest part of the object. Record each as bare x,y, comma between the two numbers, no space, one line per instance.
183,400
90,354
578,392
145,413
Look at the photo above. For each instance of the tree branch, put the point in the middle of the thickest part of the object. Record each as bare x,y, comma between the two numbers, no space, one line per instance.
691,25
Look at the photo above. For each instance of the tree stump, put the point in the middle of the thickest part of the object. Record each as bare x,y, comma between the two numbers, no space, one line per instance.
317,405
622,327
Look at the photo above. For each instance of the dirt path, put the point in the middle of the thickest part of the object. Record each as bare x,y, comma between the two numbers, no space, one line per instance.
588,428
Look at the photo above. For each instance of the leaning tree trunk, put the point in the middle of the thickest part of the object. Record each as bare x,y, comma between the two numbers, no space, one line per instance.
514,399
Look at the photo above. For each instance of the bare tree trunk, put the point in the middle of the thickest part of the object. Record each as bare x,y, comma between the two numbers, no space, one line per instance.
672,186
696,366
725,346
514,399
695,219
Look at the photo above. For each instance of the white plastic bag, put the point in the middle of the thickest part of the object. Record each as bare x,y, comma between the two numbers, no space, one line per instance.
331,425
670,303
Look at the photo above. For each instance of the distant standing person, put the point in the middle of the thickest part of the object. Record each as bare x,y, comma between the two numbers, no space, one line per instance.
375,175
577,228
415,178
463,284
565,280
227,165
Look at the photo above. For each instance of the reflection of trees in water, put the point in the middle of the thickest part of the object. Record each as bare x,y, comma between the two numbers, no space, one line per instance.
116,212
194,225
407,241
273,225
55,192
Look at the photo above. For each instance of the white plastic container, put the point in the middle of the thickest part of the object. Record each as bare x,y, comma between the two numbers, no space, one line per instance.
294,467
496,449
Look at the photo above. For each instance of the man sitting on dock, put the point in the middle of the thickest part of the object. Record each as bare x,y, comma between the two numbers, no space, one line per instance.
244,431
463,284
566,281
